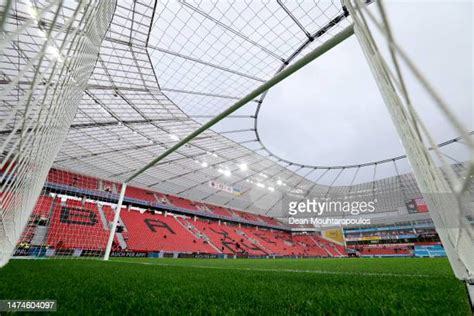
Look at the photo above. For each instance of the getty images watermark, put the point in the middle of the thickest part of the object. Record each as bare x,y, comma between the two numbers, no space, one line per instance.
330,211
359,208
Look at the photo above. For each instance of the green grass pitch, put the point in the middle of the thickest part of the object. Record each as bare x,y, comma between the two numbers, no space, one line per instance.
397,286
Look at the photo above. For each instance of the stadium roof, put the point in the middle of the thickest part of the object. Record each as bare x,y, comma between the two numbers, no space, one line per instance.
164,70
167,67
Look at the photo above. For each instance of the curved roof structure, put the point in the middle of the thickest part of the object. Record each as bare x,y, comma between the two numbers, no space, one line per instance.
167,67
164,70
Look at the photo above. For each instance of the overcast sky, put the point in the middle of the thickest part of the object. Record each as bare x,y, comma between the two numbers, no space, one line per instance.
331,112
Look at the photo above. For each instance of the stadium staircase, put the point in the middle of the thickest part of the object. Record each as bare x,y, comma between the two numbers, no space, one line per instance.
121,240
196,232
103,219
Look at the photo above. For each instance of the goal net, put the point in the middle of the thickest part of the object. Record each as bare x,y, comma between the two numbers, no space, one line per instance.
447,188
72,217
48,51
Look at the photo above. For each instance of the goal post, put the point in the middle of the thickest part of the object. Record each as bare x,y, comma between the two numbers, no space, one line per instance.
113,228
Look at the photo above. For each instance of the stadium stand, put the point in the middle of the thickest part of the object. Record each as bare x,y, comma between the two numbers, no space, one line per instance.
72,179
385,250
157,232
283,243
80,218
220,210
140,194
182,202
230,240
429,250
38,218
268,220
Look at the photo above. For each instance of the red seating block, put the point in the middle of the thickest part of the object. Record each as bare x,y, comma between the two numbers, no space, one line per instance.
77,225
156,232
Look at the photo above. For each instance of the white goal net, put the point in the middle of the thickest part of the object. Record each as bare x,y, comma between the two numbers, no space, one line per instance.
48,50
448,190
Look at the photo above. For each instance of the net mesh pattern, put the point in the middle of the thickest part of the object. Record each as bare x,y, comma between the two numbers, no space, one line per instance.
48,52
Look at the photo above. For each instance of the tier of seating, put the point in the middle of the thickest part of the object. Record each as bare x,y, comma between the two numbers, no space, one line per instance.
229,239
72,179
307,242
220,210
269,220
141,194
84,182
39,216
429,250
384,250
156,232
68,223
276,242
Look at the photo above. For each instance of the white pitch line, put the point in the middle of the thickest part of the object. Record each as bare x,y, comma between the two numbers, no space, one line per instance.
285,270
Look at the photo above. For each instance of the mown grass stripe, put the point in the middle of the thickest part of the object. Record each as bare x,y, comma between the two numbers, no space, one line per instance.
284,270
